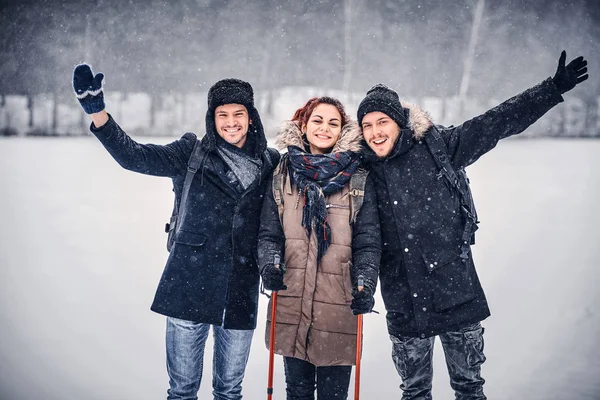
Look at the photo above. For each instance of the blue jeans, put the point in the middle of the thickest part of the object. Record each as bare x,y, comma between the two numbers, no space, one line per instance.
185,358
464,355
301,377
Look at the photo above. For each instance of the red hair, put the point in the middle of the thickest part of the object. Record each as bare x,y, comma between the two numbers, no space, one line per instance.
302,114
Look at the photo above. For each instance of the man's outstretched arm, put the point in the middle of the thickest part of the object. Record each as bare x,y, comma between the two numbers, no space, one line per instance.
477,136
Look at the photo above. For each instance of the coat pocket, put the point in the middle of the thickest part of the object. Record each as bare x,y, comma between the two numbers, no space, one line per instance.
438,257
190,238
347,281
452,277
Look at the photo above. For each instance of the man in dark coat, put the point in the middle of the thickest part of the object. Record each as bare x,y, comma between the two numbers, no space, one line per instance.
211,276
428,280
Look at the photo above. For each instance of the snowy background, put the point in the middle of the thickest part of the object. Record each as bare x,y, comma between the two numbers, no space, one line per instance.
83,250
82,246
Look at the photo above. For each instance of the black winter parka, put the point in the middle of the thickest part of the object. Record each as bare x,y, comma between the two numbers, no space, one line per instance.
426,286
211,275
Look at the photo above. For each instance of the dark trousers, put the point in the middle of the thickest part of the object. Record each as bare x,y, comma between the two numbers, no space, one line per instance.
464,355
301,377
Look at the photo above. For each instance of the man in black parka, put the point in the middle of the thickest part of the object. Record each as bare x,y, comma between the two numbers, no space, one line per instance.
428,280
211,276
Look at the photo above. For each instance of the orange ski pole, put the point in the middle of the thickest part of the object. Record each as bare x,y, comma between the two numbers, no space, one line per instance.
276,261
359,329
358,356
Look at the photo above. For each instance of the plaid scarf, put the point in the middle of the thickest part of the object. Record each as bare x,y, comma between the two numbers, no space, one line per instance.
316,176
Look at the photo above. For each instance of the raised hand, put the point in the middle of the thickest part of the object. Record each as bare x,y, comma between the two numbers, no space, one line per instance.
88,88
567,77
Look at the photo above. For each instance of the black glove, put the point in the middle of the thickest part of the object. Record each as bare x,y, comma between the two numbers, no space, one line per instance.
88,88
567,77
273,278
362,301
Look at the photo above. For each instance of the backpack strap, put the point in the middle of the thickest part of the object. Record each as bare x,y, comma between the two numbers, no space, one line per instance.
438,149
358,181
279,180
457,181
178,208
193,166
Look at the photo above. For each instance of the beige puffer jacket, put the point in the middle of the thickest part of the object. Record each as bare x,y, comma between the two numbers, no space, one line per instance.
314,320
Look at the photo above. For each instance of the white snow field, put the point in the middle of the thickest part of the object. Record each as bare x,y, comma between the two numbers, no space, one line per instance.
82,249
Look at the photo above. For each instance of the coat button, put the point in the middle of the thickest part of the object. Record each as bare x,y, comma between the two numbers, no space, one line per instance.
395,202
431,265
414,295
422,336
424,308
406,250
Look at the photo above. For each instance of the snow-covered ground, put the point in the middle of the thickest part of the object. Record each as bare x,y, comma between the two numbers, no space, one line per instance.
82,248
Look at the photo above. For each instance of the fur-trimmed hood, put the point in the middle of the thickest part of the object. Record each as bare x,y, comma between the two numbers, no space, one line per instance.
291,135
419,120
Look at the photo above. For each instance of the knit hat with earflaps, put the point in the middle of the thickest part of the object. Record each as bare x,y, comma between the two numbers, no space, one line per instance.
383,99
230,91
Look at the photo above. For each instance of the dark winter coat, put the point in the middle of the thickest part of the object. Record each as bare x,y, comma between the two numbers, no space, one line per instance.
211,275
314,319
426,287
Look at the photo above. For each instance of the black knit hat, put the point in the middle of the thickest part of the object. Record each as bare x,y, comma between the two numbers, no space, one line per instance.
383,99
230,91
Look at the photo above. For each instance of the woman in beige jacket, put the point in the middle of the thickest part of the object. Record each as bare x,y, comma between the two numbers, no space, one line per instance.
312,219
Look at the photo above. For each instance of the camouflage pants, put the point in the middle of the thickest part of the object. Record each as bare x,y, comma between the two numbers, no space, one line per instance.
464,355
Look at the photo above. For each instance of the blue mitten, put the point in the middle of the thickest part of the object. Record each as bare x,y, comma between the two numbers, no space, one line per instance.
88,88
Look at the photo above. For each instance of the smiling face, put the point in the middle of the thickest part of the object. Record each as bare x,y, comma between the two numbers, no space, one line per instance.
380,132
231,122
323,129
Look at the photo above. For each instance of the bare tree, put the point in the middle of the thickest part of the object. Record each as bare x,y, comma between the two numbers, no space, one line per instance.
468,65
347,45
